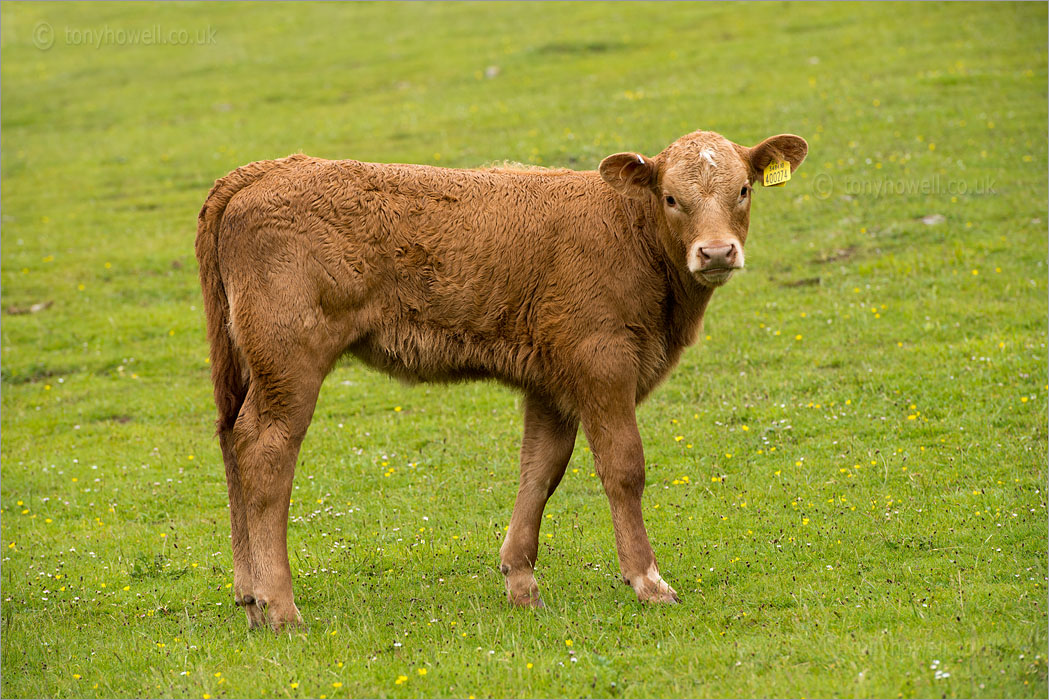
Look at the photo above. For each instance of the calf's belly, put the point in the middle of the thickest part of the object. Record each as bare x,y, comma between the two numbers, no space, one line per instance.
413,350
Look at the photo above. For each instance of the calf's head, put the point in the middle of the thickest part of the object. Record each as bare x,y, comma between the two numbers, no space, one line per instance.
701,186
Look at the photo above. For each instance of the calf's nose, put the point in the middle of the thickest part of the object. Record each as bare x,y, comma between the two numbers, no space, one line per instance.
718,254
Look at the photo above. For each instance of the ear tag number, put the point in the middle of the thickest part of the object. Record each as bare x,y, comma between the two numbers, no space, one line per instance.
776,174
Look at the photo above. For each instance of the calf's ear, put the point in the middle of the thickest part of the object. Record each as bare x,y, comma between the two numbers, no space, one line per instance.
630,174
785,147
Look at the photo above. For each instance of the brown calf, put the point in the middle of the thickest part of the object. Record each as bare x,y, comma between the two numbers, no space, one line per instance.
579,288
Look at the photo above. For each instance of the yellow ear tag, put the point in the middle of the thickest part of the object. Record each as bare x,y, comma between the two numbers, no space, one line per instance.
776,174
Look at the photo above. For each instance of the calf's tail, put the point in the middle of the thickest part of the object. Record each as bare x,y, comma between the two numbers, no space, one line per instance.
227,373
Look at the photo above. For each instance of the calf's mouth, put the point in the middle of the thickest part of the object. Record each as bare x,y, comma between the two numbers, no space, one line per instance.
716,276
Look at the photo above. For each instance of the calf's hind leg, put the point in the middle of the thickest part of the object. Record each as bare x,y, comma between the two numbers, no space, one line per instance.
243,586
545,450
267,435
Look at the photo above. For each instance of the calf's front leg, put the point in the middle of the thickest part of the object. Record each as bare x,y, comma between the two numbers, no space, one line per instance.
545,450
611,429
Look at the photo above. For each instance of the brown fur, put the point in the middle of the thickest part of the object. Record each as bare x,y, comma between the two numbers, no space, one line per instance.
579,288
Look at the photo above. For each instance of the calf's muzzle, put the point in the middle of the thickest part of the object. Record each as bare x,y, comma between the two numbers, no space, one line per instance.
718,255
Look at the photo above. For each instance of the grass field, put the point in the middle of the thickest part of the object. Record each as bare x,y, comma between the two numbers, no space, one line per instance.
846,477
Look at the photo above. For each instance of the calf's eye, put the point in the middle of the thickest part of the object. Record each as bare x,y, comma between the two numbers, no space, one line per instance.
671,202
744,192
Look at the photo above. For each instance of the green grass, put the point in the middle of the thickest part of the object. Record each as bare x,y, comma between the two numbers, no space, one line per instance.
862,426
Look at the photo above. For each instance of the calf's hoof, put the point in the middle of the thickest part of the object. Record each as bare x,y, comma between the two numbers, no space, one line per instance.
651,588
665,594
280,617
255,617
529,601
247,603
522,591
